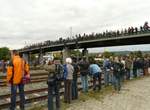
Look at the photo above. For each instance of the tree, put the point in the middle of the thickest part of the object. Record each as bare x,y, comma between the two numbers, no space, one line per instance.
136,54
107,54
139,54
4,53
76,53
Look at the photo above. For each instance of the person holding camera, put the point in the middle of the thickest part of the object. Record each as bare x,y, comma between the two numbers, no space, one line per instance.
55,72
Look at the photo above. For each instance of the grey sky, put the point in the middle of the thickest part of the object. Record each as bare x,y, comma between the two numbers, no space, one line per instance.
28,21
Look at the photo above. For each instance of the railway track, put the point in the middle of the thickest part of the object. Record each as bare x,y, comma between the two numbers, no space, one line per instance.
36,97
26,92
2,77
33,91
31,82
35,78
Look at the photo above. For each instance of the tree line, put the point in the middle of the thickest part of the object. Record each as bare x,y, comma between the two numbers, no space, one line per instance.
4,53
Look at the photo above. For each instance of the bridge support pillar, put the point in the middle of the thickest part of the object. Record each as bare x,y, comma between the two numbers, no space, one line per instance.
30,59
26,56
65,54
40,58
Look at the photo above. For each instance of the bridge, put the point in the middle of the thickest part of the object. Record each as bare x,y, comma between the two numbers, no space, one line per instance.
120,40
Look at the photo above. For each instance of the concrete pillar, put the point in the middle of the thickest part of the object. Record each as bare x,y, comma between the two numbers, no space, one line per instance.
30,60
26,57
77,47
65,53
40,57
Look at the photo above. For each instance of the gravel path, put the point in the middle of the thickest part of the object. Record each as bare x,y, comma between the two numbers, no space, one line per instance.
135,95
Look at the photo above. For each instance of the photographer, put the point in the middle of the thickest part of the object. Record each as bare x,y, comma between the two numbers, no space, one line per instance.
55,70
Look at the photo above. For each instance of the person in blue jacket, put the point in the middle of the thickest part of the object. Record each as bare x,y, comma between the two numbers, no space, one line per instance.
95,71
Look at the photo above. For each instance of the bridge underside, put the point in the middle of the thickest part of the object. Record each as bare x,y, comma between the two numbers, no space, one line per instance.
95,43
118,42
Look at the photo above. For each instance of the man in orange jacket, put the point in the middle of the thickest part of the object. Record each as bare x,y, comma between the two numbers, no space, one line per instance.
15,73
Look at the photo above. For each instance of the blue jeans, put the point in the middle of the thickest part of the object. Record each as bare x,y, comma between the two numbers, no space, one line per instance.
97,77
135,72
131,73
74,89
84,81
13,96
139,72
111,78
117,82
53,92
128,74
106,77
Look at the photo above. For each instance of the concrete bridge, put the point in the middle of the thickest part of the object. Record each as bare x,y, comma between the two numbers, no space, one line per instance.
133,39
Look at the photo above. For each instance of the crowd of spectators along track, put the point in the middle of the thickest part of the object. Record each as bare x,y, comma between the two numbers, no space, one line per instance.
124,32
115,69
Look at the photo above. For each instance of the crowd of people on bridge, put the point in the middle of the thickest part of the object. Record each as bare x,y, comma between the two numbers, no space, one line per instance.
107,34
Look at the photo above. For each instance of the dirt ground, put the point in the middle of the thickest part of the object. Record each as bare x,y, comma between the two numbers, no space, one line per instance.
135,95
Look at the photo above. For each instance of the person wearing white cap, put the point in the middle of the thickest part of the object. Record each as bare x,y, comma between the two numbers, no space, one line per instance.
68,81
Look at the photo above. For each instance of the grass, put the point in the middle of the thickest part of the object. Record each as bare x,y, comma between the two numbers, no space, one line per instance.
41,107
97,95
64,106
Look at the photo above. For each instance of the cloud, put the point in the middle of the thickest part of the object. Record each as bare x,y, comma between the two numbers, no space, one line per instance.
38,20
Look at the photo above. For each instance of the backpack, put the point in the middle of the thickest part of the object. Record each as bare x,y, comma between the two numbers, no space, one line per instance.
84,68
59,70
65,72
26,75
117,69
107,64
76,70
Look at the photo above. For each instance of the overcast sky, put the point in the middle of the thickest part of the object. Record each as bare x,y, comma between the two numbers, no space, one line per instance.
24,22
